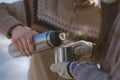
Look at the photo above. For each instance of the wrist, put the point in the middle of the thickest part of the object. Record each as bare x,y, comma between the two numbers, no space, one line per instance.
14,29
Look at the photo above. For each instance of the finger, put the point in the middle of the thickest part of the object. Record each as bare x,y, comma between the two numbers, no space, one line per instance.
16,45
57,67
53,68
20,47
26,47
31,44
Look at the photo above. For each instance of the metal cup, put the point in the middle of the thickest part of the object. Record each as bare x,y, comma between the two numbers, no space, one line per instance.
63,54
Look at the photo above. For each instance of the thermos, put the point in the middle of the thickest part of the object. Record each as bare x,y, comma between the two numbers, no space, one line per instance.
43,41
63,54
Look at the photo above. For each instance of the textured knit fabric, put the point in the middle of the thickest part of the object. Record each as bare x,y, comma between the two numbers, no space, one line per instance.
47,15
7,21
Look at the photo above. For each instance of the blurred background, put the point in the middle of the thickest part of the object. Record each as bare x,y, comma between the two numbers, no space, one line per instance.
11,68
8,1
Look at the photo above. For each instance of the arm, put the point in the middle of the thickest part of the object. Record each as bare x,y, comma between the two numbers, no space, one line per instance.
7,21
12,25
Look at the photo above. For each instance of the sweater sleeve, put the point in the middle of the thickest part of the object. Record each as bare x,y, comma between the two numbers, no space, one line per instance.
89,71
7,20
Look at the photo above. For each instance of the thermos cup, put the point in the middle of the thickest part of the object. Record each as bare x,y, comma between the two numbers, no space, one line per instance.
63,54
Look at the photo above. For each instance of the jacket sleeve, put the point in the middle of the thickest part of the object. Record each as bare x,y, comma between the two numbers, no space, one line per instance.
89,71
9,18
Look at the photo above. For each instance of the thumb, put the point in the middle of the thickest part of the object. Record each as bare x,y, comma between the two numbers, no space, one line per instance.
54,68
57,67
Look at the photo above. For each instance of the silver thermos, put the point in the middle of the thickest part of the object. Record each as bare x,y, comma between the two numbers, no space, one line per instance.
63,54
43,41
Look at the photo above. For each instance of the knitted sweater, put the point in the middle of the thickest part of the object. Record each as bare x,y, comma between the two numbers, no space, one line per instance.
61,15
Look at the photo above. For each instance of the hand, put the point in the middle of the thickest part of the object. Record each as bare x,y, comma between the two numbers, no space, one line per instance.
64,69
22,38
83,48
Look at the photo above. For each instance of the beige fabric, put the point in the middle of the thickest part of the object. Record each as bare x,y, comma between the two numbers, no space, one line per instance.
39,67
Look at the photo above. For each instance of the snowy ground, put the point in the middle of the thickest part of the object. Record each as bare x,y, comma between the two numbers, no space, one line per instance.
11,68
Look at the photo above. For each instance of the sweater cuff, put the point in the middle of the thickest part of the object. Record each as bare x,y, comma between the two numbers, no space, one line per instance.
83,69
9,32
9,24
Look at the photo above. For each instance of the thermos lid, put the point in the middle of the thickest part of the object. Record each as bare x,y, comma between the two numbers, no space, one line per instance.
56,38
